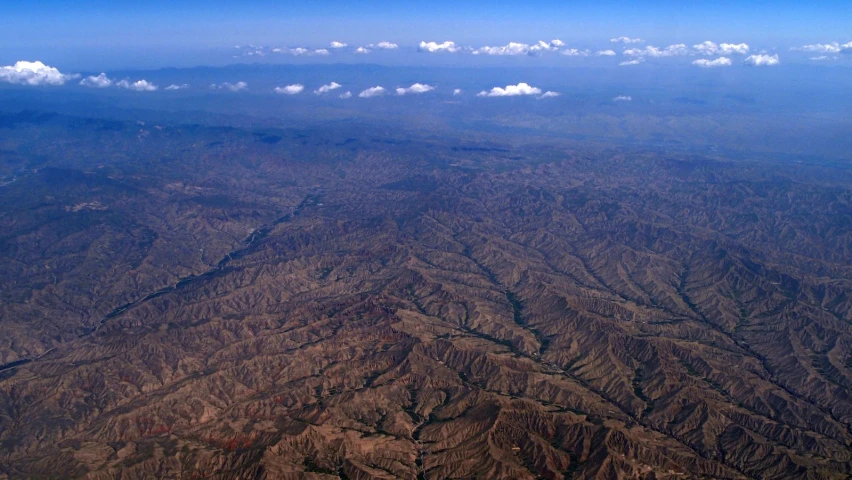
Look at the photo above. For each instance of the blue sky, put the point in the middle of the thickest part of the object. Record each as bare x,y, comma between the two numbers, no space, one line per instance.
191,32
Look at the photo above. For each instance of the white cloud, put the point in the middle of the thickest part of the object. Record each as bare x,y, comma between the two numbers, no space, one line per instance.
650,51
517,48
719,62
762,60
638,52
628,63
706,48
261,51
711,48
549,94
296,51
138,86
372,92
362,50
385,45
731,48
513,48
511,91
457,91
327,88
100,81
338,45
33,73
346,95
605,53
294,89
833,47
234,87
416,88
177,87
626,40
623,98
252,50
433,47
543,46
819,48
823,57
573,52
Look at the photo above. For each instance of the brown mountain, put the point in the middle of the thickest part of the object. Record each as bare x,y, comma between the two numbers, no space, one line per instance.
191,302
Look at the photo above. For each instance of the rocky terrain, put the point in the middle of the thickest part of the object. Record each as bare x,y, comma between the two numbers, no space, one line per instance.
194,302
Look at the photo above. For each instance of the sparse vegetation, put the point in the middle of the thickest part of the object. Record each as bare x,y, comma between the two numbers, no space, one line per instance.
281,301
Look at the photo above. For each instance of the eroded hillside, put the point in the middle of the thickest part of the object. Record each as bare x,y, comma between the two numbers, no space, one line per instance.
228,304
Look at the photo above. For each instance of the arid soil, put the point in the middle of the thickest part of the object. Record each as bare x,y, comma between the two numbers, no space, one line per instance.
189,302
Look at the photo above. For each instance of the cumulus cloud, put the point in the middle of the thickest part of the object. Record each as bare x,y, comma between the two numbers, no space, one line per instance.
177,87
549,94
543,46
512,48
823,57
327,88
457,91
295,51
137,86
516,48
762,60
511,91
416,88
337,45
650,51
261,51
385,45
372,92
605,53
833,47
294,89
819,48
719,62
626,40
730,48
362,50
627,63
623,98
234,87
432,47
711,48
252,50
99,81
573,52
346,95
706,48
33,73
